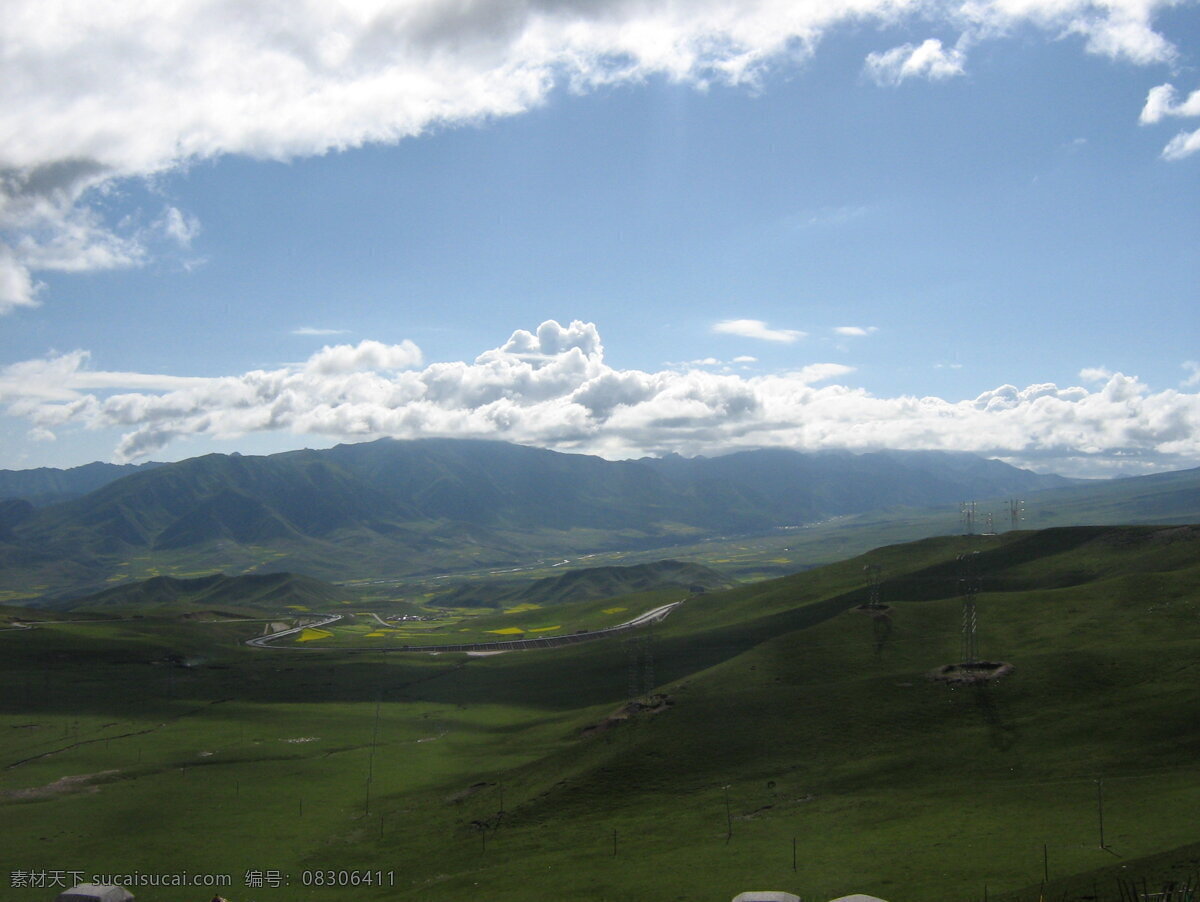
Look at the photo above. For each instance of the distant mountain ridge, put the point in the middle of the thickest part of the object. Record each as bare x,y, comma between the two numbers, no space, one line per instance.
396,504
47,485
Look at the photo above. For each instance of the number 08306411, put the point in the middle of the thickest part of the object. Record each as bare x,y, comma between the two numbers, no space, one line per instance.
331,877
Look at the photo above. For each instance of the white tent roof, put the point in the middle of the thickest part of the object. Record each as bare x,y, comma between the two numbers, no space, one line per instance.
857,897
94,892
766,896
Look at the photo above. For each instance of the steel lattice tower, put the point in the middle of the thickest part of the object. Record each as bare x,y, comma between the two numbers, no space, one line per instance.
968,588
966,513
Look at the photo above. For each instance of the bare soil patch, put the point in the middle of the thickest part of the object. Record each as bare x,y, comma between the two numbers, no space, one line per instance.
655,704
62,786
976,672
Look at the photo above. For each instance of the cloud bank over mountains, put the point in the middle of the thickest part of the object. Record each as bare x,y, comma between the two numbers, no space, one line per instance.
94,93
552,388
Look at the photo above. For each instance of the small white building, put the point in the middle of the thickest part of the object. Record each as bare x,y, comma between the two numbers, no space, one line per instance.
94,892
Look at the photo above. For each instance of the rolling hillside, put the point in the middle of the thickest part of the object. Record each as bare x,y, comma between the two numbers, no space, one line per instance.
585,584
754,724
258,593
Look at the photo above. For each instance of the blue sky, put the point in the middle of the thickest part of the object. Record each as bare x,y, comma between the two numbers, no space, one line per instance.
606,227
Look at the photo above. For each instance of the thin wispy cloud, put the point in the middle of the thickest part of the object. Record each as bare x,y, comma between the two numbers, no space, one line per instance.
311,330
1162,102
179,226
827,216
96,93
1095,374
552,388
758,330
855,331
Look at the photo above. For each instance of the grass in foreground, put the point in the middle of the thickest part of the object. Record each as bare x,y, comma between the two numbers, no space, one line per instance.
792,717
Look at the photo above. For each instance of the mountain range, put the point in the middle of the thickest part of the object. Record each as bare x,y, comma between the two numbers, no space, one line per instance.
399,507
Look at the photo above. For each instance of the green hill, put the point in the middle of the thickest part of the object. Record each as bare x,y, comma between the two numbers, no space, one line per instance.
686,762
584,584
270,592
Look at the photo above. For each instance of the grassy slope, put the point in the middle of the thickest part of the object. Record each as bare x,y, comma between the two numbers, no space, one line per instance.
250,594
823,733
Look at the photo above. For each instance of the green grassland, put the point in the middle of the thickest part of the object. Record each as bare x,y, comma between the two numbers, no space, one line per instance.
772,714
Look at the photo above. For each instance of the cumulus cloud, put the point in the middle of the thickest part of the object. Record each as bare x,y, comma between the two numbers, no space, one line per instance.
928,60
366,355
855,331
552,388
94,92
756,328
1193,367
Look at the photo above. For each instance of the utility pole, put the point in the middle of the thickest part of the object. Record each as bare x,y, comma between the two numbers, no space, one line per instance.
728,818
371,759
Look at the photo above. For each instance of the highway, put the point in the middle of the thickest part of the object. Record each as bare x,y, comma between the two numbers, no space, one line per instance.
652,616
261,641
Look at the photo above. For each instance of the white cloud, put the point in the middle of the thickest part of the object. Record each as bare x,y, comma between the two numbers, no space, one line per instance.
1161,103
179,226
745,358
93,92
310,330
1182,145
552,388
1095,374
855,331
1193,367
17,288
366,355
927,60
756,328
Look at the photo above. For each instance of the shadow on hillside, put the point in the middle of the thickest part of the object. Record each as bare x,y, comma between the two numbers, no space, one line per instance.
1001,735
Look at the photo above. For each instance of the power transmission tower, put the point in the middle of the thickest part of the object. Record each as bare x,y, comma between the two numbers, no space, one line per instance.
966,513
876,573
1015,512
968,587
